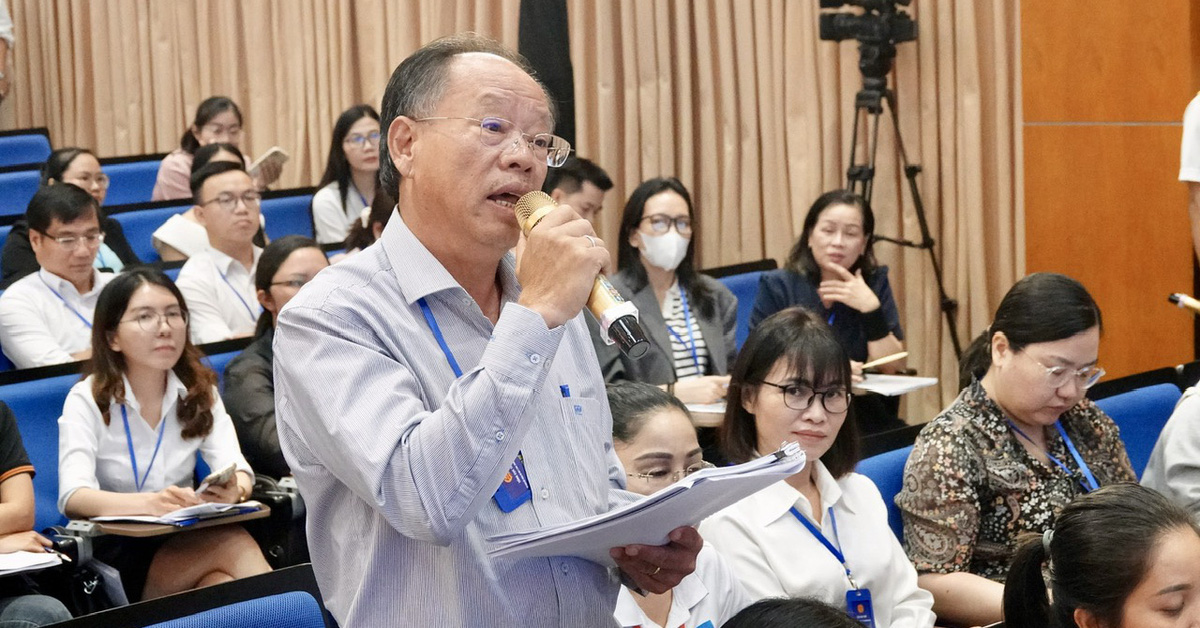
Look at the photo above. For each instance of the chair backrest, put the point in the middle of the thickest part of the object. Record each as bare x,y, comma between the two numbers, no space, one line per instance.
288,213
37,404
131,179
887,472
24,146
16,189
295,609
139,225
218,362
1140,415
744,286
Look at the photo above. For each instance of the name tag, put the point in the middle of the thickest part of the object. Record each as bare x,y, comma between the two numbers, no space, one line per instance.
858,606
515,489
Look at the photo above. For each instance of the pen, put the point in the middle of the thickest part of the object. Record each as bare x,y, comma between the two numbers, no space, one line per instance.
51,550
886,359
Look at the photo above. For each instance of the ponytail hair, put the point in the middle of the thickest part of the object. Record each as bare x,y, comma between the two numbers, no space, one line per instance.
1097,553
1042,307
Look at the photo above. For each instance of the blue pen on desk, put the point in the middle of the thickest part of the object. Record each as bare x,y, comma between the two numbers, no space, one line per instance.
565,390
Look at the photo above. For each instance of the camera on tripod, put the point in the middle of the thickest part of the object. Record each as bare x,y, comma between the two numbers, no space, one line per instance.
878,29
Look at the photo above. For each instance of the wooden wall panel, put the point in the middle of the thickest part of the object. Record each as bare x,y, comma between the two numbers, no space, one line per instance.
1102,205
1107,60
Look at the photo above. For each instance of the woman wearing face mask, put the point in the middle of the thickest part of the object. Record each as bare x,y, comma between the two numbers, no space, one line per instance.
348,185
689,318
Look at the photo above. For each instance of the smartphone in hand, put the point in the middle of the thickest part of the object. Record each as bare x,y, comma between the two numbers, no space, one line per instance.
218,478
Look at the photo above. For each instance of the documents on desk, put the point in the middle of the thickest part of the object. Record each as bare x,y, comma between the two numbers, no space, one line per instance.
648,521
189,515
893,385
16,562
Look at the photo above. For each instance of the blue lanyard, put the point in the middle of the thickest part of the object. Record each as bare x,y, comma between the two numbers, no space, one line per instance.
832,314
1090,484
140,481
437,334
64,301
253,316
690,344
360,196
833,549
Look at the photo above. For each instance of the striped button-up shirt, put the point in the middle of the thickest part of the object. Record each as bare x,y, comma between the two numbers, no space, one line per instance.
397,459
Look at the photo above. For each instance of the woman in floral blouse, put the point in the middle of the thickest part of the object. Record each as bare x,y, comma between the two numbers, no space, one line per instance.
1017,445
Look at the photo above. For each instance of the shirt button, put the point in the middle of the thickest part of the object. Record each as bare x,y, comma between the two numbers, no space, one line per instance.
545,494
500,435
535,358
565,567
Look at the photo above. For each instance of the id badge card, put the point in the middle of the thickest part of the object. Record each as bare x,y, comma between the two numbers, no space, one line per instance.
515,489
858,606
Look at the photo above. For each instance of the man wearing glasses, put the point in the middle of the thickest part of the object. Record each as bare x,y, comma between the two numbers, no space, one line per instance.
427,401
46,317
218,283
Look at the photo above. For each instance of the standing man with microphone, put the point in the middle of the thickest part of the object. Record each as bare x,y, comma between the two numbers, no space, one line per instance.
428,400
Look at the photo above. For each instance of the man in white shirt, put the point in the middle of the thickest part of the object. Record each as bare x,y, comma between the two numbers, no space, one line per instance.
218,283
46,317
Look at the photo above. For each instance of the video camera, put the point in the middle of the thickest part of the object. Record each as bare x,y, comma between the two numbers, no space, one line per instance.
878,29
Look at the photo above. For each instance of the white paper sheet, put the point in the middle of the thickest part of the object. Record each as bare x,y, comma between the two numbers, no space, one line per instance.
17,562
893,385
649,520
191,514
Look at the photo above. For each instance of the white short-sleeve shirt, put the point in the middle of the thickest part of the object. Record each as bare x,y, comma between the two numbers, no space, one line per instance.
44,319
220,294
706,598
332,220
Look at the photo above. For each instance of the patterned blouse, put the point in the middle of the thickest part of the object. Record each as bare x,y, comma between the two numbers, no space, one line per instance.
970,487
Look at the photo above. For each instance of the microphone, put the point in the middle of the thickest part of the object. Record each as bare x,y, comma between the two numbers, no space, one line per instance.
1185,302
617,317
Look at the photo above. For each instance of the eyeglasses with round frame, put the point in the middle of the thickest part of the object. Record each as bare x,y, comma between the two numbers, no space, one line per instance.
662,478
151,320
85,181
801,396
90,240
232,132
359,141
662,223
1058,376
496,131
292,283
228,201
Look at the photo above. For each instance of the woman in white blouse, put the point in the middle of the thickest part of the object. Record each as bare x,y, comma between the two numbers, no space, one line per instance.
821,533
129,434
348,185
654,438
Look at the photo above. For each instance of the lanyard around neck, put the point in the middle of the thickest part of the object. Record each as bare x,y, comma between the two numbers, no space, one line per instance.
1088,482
140,480
253,316
437,335
64,301
360,195
690,343
833,549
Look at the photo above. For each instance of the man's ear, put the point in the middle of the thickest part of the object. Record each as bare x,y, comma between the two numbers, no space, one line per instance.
401,137
558,195
201,217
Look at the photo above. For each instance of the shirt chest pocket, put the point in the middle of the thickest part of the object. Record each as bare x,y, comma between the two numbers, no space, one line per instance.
588,443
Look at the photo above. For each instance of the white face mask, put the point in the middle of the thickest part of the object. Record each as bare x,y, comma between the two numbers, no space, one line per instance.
664,251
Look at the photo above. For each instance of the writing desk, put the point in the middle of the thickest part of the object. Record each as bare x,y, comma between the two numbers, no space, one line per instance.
135,529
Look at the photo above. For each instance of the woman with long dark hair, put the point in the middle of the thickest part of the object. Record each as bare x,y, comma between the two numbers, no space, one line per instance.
823,532
348,185
1020,442
689,318
1123,556
129,435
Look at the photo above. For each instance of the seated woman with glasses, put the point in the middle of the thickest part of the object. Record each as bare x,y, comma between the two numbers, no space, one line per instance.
79,167
1018,444
218,119
348,185
285,266
656,443
128,438
689,318
823,532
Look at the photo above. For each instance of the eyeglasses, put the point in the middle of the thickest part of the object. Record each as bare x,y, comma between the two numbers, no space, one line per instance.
232,132
229,201
1058,376
151,321
90,240
86,181
292,283
661,223
496,131
801,396
662,477
359,141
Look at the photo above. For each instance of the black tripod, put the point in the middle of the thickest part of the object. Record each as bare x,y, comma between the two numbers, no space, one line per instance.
860,178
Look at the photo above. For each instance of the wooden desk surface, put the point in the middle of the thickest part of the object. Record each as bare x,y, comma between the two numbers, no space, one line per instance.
134,529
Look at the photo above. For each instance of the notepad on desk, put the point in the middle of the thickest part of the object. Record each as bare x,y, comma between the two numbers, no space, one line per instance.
648,521
187,516
893,385
17,562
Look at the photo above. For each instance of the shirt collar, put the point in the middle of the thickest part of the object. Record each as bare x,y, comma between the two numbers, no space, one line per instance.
64,287
224,263
175,390
685,596
420,274
775,501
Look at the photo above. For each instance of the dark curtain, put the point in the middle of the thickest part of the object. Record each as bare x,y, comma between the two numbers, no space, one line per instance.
544,42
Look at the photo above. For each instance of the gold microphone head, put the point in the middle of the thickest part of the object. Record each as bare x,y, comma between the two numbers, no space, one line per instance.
529,204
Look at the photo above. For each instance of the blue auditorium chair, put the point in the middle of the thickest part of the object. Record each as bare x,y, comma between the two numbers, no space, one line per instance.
139,224
16,189
1140,414
288,213
24,146
37,404
4,234
742,281
131,179
887,472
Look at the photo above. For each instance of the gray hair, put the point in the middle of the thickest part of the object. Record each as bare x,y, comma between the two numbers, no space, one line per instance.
419,82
